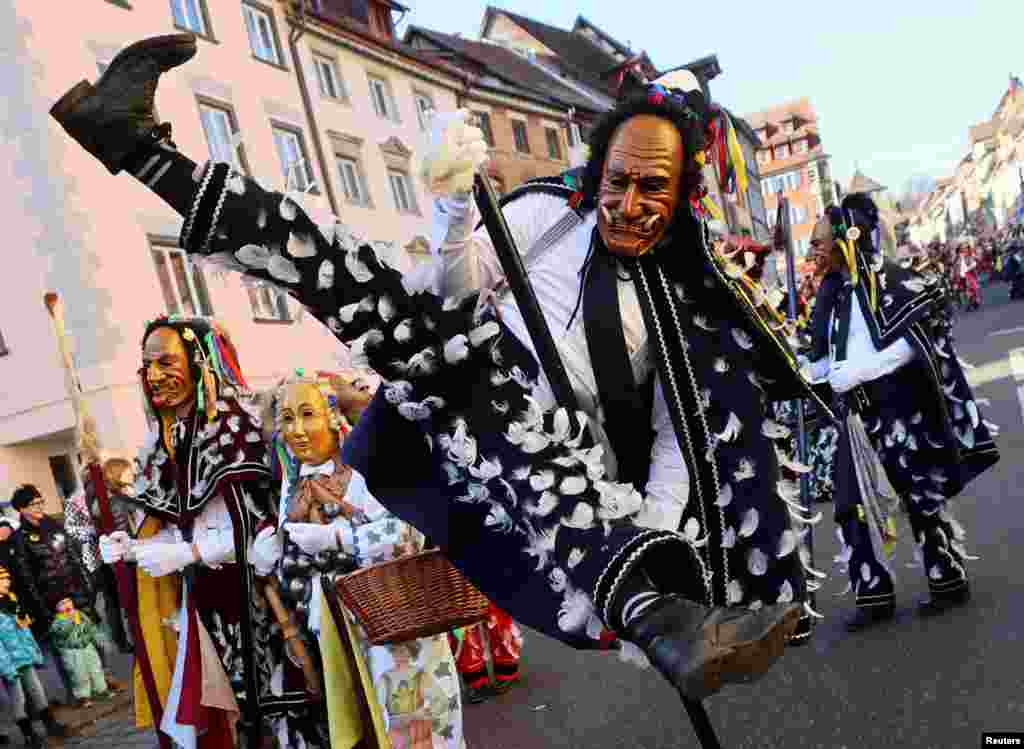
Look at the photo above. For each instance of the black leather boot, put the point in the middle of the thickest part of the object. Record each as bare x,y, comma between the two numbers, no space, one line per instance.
32,739
939,601
867,616
700,650
113,119
802,635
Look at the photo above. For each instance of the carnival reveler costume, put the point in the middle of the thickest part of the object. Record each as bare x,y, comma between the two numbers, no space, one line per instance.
882,337
404,694
204,485
516,491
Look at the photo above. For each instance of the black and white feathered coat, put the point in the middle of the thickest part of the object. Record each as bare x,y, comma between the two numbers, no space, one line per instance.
465,442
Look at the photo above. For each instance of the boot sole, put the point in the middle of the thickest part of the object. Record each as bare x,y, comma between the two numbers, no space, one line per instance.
744,662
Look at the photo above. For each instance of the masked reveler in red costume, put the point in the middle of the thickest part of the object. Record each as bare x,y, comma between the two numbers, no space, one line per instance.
210,648
656,512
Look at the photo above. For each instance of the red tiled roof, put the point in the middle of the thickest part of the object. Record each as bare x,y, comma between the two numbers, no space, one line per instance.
507,65
775,115
577,55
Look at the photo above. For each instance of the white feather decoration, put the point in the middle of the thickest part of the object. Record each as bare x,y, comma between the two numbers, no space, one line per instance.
724,496
750,522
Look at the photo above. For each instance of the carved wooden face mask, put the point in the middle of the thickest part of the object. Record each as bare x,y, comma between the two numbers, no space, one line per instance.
168,370
306,424
640,185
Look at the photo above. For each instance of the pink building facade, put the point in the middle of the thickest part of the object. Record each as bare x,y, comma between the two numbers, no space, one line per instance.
106,244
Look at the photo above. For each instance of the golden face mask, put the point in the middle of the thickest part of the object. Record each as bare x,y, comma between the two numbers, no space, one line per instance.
305,422
168,371
640,185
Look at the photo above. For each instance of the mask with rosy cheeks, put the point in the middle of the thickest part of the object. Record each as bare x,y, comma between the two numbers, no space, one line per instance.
640,185
5,583
66,606
168,371
306,424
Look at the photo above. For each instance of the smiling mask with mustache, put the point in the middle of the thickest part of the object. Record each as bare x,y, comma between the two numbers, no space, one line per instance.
167,370
640,185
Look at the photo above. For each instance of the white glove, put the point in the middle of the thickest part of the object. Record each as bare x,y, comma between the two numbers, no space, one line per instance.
266,551
312,538
115,547
159,559
456,151
842,377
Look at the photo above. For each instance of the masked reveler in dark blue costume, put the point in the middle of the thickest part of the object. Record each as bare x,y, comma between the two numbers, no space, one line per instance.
657,512
882,337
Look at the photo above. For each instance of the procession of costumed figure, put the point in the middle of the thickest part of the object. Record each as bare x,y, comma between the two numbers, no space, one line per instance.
210,642
655,511
330,524
911,428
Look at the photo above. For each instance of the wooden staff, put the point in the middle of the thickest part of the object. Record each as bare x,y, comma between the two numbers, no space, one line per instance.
290,631
87,445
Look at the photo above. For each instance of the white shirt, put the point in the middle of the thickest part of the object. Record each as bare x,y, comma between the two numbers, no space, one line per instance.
863,362
469,262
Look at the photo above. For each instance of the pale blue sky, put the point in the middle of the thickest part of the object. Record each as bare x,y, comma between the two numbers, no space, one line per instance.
895,84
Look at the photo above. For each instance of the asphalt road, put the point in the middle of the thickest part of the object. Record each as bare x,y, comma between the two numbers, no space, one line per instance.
909,683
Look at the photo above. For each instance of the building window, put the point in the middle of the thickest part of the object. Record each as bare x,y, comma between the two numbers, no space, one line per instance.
483,121
353,182
298,172
797,214
570,135
782,151
519,132
220,127
262,35
554,143
190,15
181,282
424,110
401,190
268,304
383,102
331,85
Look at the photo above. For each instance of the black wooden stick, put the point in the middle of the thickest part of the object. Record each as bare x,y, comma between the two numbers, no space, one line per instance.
551,361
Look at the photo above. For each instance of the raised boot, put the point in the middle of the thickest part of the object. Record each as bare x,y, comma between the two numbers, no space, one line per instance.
700,650
114,118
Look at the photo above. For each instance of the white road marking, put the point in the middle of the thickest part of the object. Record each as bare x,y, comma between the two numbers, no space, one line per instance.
1008,331
1017,365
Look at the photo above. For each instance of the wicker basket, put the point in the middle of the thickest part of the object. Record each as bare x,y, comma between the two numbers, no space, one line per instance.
415,596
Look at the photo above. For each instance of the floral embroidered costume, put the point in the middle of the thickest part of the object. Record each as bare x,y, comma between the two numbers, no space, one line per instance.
204,485
491,468
882,336
331,524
